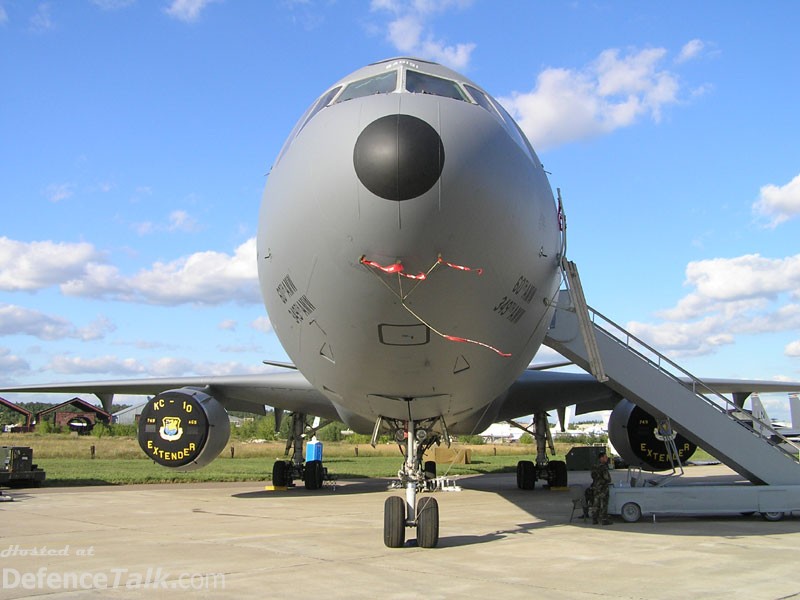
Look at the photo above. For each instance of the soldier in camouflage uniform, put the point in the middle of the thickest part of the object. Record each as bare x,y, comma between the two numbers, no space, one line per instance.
601,481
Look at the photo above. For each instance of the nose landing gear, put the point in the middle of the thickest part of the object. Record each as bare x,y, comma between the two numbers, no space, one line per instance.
414,438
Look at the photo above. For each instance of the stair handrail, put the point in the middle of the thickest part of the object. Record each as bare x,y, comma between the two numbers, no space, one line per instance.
730,407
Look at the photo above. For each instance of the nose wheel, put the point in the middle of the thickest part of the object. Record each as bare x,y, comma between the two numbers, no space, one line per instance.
422,513
427,522
394,522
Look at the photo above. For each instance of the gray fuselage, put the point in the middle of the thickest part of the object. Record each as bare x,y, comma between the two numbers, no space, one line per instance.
373,191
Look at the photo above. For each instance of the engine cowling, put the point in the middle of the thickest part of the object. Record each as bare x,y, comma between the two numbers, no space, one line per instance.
183,429
634,434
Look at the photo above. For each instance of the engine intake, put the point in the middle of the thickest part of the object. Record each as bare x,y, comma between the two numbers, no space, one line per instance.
634,434
183,429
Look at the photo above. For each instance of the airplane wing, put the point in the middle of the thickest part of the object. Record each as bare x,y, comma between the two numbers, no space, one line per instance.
534,390
289,391
550,390
747,386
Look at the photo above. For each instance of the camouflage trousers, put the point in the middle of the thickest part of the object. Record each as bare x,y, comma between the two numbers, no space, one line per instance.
600,504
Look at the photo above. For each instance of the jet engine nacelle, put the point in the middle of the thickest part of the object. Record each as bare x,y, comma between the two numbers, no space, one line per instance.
183,429
634,434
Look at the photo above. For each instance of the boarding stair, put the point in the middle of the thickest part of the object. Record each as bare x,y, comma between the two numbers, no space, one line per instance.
647,378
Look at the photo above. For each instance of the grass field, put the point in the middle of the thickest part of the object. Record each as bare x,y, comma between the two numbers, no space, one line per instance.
67,460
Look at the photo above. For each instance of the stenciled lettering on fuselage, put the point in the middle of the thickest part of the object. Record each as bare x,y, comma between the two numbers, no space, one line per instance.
286,289
510,306
299,309
524,289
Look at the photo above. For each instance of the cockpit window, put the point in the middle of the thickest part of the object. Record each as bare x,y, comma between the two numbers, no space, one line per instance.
321,103
421,83
499,112
483,100
516,132
385,83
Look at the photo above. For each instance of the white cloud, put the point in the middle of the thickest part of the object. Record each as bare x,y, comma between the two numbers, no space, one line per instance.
410,33
177,221
17,320
3,15
793,349
101,365
169,366
684,339
690,50
404,33
162,367
743,295
202,278
42,21
228,325
144,228
229,368
305,13
97,329
59,191
744,277
239,348
187,11
779,203
146,344
207,277
112,4
616,90
180,220
262,324
102,187
10,363
29,266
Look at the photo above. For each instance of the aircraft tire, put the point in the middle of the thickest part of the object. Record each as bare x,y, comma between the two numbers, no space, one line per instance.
630,512
557,472
427,522
394,522
280,476
313,475
526,475
772,516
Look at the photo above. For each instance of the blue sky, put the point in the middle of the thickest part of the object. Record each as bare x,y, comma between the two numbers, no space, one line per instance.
135,138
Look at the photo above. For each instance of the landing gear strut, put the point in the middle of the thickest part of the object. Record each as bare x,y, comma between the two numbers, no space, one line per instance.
312,472
552,471
414,438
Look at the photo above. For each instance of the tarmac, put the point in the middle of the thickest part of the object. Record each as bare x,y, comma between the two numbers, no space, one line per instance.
236,540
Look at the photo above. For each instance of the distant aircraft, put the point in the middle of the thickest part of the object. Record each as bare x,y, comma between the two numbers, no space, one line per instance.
409,255
790,431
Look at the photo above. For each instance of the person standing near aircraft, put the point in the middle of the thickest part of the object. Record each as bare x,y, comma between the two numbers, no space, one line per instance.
601,481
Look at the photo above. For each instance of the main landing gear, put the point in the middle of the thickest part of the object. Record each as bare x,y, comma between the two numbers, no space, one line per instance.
414,438
552,471
311,472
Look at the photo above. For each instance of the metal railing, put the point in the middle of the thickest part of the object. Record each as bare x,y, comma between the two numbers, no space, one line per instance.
671,369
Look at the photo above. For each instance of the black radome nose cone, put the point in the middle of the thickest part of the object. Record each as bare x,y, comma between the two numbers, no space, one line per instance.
398,157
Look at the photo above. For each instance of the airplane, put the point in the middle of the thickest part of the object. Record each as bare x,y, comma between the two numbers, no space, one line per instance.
789,431
409,256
